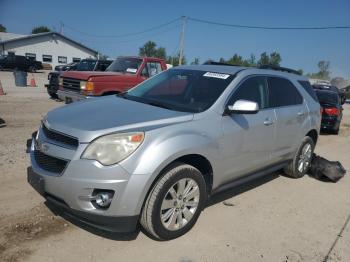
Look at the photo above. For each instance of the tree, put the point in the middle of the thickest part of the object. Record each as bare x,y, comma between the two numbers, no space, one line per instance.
174,60
150,49
273,59
323,72
252,60
264,59
2,28
324,69
40,29
235,60
339,82
195,61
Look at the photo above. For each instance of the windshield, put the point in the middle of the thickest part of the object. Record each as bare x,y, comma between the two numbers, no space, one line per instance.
327,97
86,65
181,90
125,65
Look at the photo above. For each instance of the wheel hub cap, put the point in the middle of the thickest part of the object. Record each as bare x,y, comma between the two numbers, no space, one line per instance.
180,204
305,158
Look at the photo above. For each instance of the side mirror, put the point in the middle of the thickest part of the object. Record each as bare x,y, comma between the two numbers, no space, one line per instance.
243,107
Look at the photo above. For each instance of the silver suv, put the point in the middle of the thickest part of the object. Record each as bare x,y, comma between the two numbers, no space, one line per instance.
154,154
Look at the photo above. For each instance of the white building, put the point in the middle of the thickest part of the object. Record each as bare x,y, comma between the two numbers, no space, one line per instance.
52,48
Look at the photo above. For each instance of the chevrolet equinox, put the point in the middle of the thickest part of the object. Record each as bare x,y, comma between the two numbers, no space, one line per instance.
154,154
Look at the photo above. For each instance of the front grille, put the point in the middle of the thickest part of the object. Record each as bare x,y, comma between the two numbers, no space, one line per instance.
53,135
71,84
49,163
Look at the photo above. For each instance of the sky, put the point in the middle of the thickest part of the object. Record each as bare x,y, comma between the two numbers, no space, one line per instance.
89,22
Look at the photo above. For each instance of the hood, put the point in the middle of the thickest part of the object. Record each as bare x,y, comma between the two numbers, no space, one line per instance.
85,75
94,117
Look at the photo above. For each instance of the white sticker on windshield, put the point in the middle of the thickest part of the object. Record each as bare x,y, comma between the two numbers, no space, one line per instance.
216,75
131,70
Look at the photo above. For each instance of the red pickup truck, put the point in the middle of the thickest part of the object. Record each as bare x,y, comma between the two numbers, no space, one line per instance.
123,74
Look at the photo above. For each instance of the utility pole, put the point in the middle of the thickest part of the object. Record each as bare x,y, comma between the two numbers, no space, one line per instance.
61,27
182,38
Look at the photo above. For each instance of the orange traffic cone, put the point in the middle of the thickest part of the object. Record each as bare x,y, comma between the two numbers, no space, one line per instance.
2,93
32,82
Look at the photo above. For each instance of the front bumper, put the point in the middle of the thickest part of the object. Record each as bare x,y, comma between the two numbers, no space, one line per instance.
70,96
72,189
107,223
329,122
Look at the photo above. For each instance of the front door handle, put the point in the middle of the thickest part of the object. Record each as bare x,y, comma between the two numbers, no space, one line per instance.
301,113
268,122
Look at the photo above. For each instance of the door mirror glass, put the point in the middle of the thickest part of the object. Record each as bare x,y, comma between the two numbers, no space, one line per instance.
243,107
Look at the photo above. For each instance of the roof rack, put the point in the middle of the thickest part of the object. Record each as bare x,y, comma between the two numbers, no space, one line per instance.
209,62
279,68
272,67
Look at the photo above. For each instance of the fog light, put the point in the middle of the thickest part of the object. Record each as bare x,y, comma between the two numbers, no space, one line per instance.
103,199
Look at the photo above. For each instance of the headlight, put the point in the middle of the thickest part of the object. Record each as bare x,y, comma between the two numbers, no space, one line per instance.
111,149
86,85
60,81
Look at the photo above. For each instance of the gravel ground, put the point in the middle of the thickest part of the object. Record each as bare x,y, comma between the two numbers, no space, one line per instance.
273,219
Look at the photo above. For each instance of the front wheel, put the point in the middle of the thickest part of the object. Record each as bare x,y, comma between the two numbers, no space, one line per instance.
302,159
174,203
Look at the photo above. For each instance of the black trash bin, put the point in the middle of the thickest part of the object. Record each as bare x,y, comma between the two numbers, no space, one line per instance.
20,78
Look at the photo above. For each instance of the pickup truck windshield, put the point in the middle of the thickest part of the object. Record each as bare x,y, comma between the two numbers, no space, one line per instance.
86,65
181,90
125,65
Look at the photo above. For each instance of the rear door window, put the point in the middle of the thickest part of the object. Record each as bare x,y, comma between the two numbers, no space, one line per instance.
283,93
253,89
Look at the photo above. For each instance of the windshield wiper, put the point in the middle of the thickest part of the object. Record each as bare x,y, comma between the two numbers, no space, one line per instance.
122,94
158,104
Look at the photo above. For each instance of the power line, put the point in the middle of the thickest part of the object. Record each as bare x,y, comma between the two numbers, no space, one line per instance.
124,35
160,33
267,27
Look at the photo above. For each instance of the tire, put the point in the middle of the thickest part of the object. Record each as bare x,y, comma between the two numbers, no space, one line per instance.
32,69
293,169
166,215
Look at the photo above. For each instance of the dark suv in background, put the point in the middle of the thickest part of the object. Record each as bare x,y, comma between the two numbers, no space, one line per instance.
18,62
83,65
332,110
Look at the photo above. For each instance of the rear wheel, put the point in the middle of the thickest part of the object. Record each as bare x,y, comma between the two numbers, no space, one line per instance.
175,202
302,159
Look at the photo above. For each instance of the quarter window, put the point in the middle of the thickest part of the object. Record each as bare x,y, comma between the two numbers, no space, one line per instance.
47,58
62,59
253,89
308,88
283,93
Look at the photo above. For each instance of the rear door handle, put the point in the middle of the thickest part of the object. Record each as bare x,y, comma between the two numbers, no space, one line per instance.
268,122
301,113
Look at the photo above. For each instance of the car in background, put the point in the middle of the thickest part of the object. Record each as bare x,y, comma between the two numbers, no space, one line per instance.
83,65
70,66
19,62
124,73
330,88
332,110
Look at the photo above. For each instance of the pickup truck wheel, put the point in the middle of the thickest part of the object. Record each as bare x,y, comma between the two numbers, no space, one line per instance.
302,159
174,203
